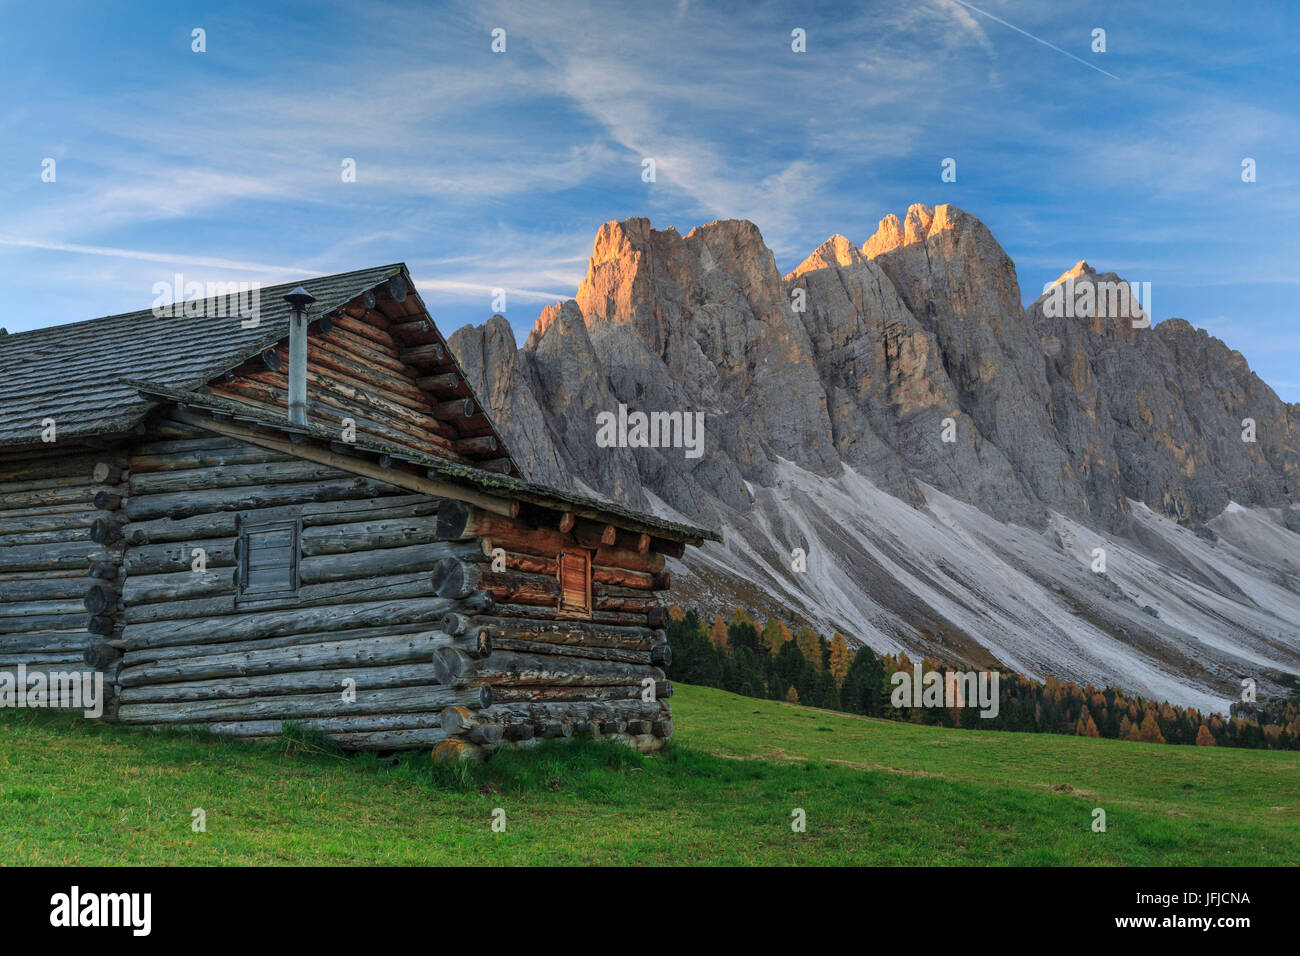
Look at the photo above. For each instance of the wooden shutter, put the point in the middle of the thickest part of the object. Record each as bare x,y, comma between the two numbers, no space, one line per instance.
268,559
574,571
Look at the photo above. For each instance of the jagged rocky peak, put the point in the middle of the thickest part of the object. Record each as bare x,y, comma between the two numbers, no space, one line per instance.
1080,268
835,251
549,316
1102,301
919,223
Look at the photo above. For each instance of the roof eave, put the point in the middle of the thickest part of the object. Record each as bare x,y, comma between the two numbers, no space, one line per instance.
490,484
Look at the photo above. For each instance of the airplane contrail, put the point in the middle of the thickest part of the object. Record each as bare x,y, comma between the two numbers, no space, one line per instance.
1037,39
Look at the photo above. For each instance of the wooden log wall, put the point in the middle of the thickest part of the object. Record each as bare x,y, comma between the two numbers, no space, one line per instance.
440,618
383,364
60,558
366,616
551,676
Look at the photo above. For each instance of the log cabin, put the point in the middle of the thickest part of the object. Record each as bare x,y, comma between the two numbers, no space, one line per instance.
308,517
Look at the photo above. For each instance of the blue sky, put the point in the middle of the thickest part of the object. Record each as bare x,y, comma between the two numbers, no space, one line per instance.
485,170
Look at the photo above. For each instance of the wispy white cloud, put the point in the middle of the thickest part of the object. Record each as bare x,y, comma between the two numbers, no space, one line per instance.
168,258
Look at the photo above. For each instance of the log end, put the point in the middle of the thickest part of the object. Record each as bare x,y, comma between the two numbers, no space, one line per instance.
451,666
451,751
521,732
455,720
451,579
453,518
100,656
100,598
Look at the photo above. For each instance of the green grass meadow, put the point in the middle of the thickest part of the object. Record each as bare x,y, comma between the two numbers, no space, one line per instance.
78,792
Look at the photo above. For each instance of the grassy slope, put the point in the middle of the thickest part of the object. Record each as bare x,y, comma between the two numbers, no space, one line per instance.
874,792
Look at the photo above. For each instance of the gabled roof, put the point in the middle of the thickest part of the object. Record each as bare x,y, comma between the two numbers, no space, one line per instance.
496,485
73,373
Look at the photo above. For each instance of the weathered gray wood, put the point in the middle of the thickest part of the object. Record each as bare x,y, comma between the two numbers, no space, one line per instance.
404,738
48,521
188,454
294,706
363,564
510,667
43,464
39,641
81,532
177,591
107,472
155,588
107,568
184,504
178,555
477,643
534,613
586,711
101,598
11,487
456,624
520,732
222,524
460,722
453,578
575,632
104,531
37,660
366,723
410,674
452,667
277,623
541,694
369,535
41,622
81,495
44,483
99,656
36,557
230,476
34,608
501,641
146,655
389,739
348,652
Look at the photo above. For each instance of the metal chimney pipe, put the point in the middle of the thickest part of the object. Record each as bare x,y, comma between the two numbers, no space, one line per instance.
298,300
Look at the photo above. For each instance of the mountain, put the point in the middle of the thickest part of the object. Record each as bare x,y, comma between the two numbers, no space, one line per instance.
948,460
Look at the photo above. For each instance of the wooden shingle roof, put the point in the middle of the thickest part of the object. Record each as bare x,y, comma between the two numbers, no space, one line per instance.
73,373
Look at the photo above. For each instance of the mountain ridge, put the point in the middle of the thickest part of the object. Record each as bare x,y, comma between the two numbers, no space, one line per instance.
909,364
